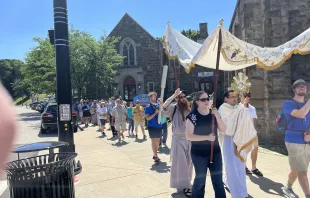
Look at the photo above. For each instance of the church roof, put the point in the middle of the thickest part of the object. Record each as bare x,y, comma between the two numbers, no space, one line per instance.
127,16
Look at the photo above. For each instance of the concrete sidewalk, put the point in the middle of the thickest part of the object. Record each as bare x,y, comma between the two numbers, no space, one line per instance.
114,170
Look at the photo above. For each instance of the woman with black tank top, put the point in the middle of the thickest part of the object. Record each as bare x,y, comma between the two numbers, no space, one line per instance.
199,132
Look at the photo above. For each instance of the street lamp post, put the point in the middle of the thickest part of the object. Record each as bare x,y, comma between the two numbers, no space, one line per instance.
63,77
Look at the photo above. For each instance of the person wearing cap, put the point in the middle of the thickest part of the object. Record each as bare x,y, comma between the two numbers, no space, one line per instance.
245,100
151,112
297,139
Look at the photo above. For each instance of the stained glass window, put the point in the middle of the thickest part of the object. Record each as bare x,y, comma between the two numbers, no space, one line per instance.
128,50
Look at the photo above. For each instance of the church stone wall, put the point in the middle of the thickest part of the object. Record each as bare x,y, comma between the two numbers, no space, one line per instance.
149,54
269,23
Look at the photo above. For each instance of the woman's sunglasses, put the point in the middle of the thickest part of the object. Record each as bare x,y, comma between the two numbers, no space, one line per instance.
204,99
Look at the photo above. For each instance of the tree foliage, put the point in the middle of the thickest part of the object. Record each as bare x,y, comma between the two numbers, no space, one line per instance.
10,74
39,72
92,62
191,34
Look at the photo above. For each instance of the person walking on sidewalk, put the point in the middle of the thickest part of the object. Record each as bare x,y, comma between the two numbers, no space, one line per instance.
245,100
130,120
102,112
151,112
119,114
199,132
297,138
110,109
138,112
164,135
181,167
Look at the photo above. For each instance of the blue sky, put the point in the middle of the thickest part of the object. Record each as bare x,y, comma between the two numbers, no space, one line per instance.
21,20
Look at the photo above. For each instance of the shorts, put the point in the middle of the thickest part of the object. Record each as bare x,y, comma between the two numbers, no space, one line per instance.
155,132
86,114
120,126
298,156
139,123
255,144
102,121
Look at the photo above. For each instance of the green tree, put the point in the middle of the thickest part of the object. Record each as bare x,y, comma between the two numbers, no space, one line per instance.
39,72
191,34
10,73
93,62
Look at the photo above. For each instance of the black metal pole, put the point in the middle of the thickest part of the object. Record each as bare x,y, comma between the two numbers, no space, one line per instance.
63,77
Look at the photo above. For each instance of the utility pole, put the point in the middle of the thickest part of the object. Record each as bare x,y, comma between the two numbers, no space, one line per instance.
63,77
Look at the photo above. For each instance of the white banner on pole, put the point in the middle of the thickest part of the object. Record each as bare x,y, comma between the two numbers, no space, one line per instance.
163,86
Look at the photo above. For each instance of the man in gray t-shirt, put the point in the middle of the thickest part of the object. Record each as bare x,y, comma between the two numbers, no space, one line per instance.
119,114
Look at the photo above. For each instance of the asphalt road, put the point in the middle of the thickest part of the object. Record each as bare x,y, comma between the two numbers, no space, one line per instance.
28,132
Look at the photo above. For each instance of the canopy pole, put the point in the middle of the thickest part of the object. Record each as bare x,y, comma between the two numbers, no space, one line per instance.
215,82
175,75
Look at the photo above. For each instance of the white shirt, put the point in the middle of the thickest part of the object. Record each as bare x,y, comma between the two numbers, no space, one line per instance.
252,111
102,111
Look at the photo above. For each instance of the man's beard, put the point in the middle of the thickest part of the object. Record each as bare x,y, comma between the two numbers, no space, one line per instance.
184,107
301,94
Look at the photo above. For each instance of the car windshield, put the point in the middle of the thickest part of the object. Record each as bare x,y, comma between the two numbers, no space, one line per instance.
52,108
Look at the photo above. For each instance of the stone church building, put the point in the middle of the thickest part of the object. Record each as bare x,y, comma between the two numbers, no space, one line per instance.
270,23
141,70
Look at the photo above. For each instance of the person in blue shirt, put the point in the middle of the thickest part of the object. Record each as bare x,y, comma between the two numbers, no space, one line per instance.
297,139
151,113
131,122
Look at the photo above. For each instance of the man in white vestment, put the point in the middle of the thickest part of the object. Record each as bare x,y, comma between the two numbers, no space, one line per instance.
235,178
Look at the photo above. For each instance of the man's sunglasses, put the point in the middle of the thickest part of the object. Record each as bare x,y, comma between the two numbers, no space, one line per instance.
204,99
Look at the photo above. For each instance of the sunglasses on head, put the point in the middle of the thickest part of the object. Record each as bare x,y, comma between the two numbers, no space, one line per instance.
204,99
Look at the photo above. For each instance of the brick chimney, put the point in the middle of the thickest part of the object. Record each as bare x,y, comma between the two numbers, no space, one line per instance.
203,28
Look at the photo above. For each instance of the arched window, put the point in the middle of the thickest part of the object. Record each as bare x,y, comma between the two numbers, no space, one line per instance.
128,50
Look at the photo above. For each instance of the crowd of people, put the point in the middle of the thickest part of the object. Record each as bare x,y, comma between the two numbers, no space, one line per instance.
196,145
202,137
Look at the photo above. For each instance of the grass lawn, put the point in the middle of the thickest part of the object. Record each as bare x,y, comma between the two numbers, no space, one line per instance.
41,97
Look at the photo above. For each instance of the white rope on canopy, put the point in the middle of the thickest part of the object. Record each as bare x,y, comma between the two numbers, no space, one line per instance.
235,53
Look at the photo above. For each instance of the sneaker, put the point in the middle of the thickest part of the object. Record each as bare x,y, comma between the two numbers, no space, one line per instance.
156,160
289,192
247,171
165,145
144,137
257,172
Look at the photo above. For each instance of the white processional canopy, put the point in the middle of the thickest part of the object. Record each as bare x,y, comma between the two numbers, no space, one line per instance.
235,54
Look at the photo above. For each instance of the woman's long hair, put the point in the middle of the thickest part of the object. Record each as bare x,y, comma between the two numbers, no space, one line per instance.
196,98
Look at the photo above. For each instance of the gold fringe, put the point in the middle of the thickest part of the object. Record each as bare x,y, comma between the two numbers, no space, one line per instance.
244,147
255,61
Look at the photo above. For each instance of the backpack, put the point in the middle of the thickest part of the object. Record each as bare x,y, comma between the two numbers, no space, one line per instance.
282,123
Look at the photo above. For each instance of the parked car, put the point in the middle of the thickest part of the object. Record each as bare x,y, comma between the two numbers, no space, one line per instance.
41,106
34,105
49,119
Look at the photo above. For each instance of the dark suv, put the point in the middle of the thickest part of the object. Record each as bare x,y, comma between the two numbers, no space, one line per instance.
49,119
